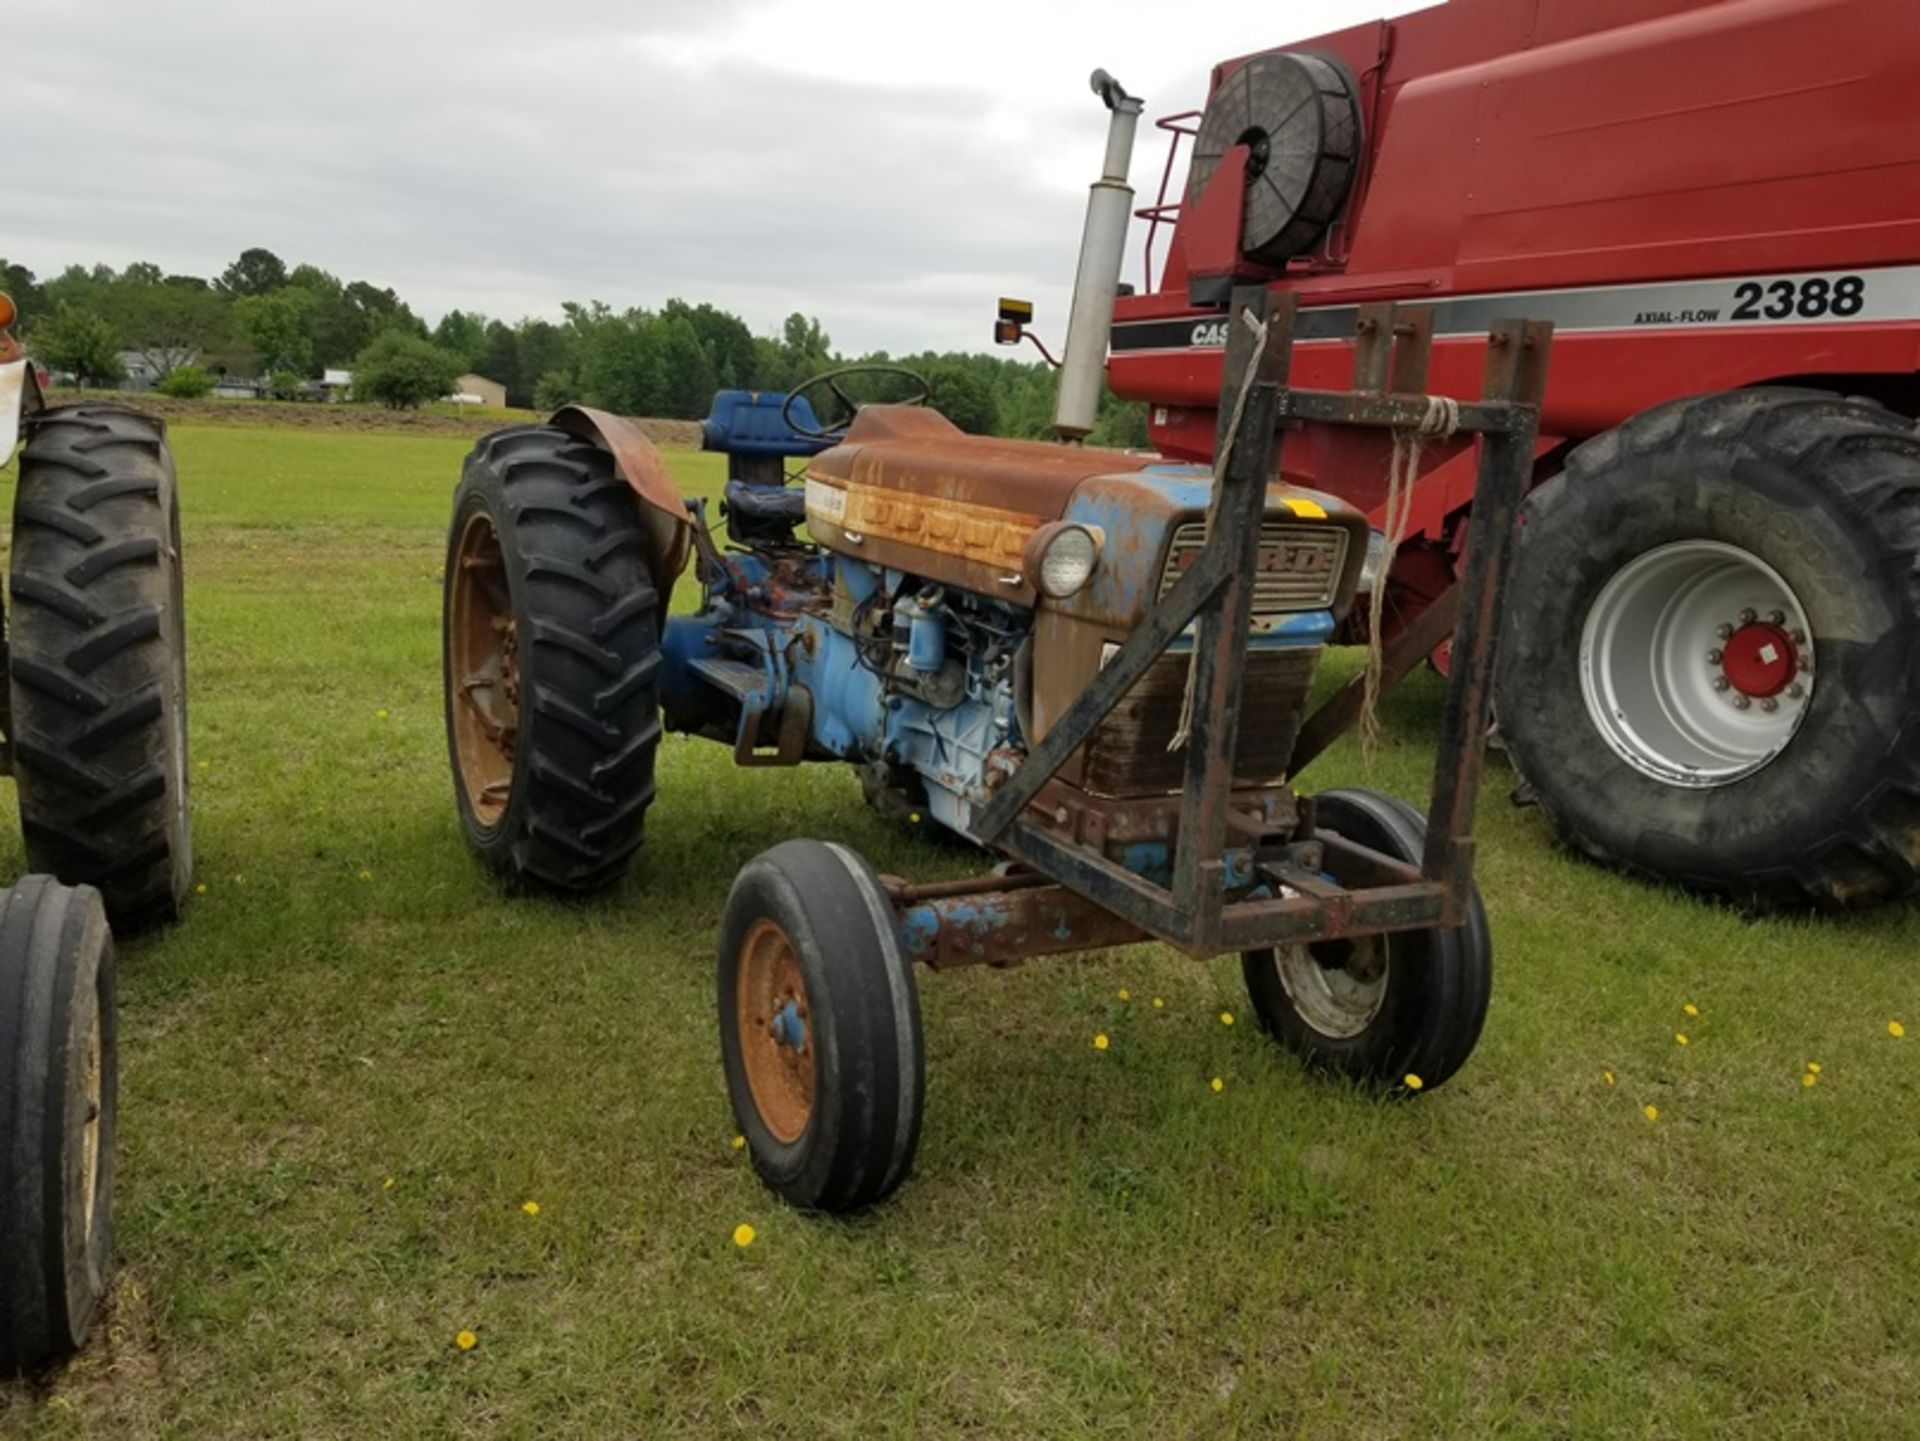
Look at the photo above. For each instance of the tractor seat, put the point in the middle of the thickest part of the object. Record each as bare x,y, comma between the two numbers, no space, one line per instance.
919,452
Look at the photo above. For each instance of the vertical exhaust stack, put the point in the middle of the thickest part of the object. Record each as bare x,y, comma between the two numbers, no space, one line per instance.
1109,207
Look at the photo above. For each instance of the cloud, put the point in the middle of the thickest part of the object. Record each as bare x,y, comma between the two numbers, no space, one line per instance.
890,169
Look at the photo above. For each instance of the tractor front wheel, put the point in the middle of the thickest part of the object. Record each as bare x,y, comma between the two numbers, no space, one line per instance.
1396,1013
1711,666
820,1027
57,1090
551,653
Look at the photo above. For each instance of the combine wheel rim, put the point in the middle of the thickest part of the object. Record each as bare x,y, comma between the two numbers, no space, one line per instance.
1696,663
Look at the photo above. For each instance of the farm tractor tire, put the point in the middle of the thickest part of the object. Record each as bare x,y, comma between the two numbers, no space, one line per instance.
57,1109
551,648
97,661
1711,667
820,1028
1392,1013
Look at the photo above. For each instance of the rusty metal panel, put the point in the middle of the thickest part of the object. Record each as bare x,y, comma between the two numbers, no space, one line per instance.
669,528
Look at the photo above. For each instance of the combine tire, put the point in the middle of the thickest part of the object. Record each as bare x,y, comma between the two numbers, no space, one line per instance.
56,1118
552,661
1378,1010
1711,668
97,661
820,1028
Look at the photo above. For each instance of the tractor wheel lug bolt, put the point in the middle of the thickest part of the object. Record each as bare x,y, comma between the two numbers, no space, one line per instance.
1748,616
1795,691
1723,631
1720,682
1798,637
1769,704
1776,617
1740,702
1715,656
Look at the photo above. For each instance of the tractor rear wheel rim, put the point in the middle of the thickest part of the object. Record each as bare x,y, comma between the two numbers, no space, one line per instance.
1696,663
1337,987
775,1025
484,670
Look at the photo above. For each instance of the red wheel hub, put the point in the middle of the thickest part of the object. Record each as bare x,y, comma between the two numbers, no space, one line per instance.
1760,660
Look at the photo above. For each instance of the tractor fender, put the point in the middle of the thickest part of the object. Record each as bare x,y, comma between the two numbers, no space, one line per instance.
16,383
663,510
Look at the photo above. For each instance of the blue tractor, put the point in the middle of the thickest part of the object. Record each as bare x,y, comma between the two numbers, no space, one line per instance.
1094,663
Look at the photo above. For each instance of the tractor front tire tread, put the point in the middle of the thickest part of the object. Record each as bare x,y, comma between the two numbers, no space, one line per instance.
870,1088
56,976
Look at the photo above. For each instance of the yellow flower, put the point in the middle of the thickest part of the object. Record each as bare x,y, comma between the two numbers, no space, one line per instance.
1812,1078
532,1208
1217,1084
206,765
388,1185
743,1235
1100,1041
201,889
1691,1009
1125,994
466,1340
1226,1018
1813,1068
739,1143
1413,1082
381,713
1652,1113
1895,1029
1160,1005
366,875
913,817
1607,1076
1680,1038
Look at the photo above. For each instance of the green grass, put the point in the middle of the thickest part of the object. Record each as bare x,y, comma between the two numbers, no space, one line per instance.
1094,1244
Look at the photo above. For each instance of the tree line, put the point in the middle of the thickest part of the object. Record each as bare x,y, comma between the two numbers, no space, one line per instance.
260,318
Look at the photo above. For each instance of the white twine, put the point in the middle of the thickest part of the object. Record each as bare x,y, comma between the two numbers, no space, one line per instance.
1440,421
1259,329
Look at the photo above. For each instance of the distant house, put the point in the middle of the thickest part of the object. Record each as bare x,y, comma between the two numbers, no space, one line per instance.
334,384
478,390
140,371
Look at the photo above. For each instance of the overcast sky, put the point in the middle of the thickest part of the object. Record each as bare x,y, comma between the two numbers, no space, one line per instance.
891,168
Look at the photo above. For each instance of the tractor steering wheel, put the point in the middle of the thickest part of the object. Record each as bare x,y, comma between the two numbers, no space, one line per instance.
919,393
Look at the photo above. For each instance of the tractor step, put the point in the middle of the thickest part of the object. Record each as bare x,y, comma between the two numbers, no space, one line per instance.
736,678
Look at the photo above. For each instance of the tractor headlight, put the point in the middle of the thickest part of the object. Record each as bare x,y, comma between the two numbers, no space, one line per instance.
1060,558
1370,568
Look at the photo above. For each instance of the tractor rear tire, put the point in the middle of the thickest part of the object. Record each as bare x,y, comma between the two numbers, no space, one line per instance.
57,1110
820,1028
1710,673
551,661
1395,1013
97,661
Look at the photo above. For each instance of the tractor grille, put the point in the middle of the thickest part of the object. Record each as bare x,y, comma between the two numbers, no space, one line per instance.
1127,754
1300,565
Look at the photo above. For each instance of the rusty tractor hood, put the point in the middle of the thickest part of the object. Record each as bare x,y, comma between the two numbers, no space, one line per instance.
909,489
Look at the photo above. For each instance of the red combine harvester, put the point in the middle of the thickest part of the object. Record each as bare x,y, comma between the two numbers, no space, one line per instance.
1711,665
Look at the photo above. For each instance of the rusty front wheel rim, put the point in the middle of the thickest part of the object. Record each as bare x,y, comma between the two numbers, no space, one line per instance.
774,1024
483,670
94,1089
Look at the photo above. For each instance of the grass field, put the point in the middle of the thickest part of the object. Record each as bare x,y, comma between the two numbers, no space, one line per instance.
347,1071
